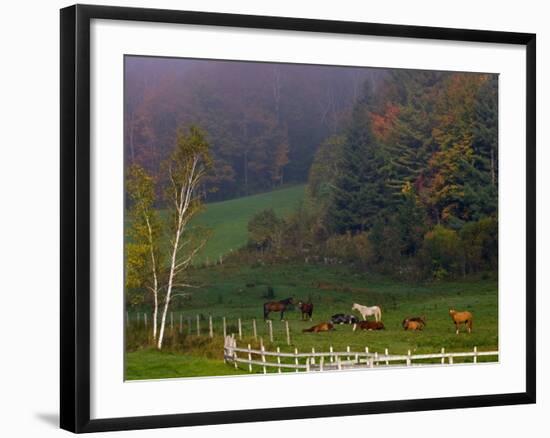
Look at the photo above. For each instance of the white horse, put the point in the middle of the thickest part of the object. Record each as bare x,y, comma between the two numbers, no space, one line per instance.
368,311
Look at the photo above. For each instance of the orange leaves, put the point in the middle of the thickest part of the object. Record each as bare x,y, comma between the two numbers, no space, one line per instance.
383,124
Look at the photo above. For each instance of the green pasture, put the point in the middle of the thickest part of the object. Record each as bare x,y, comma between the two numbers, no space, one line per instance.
228,220
234,291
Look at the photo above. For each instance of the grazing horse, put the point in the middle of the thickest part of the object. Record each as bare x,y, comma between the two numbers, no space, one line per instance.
323,327
340,318
277,306
465,318
414,323
306,309
368,311
369,325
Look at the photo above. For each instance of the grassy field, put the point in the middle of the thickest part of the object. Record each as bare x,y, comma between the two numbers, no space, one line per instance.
236,291
228,219
239,292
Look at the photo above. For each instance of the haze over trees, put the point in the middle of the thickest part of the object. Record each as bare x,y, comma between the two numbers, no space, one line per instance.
264,121
400,166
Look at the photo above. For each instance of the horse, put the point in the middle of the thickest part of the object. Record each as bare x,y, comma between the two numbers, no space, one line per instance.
412,326
414,323
340,318
277,306
369,325
465,318
306,309
368,311
323,327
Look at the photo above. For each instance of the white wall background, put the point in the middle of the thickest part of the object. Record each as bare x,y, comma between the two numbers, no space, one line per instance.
29,215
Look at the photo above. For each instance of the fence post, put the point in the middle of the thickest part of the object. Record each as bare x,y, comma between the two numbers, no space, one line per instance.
210,327
339,363
307,365
235,359
451,359
386,352
442,357
357,361
279,358
287,333
313,357
409,358
198,325
263,359
249,359
375,360
224,328
239,324
331,358
270,325
348,350
475,354
321,363
296,361
254,329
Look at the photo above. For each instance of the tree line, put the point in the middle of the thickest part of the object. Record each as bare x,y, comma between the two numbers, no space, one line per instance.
410,185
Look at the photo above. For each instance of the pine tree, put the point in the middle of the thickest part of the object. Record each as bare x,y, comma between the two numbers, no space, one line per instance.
359,193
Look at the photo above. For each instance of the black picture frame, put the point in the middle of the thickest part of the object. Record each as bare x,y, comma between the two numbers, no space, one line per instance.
75,217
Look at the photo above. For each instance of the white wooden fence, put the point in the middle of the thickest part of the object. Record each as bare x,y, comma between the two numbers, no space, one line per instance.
334,360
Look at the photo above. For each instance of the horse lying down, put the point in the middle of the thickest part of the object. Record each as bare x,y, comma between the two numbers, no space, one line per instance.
340,318
414,323
369,325
323,327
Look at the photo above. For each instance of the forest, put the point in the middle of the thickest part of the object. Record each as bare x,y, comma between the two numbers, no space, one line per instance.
400,166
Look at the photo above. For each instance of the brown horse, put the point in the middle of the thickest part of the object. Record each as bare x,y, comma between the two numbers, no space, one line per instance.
369,325
413,326
323,327
465,318
414,323
306,309
277,306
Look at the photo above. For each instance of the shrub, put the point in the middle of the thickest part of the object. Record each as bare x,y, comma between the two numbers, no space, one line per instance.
442,252
480,242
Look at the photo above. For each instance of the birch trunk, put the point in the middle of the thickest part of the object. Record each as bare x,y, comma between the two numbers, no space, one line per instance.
183,197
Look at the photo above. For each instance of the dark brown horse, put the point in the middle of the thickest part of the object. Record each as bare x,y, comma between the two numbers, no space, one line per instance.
369,325
306,309
277,306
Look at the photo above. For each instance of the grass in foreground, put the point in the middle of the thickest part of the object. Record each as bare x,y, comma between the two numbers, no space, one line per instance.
238,292
154,364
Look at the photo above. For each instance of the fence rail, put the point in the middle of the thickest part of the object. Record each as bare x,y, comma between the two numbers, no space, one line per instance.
201,325
337,360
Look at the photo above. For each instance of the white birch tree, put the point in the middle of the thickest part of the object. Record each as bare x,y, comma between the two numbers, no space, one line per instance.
186,167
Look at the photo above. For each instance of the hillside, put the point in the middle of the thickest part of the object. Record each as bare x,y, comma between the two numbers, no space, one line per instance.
228,219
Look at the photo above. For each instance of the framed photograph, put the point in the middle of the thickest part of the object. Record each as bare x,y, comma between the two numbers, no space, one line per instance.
306,218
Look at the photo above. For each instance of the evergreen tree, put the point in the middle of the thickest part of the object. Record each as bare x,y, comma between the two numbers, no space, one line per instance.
359,192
